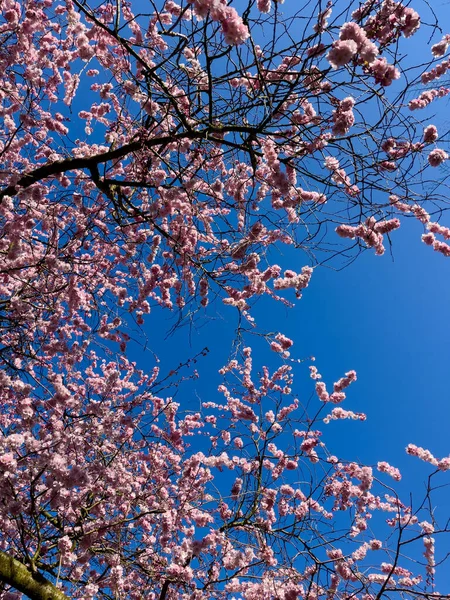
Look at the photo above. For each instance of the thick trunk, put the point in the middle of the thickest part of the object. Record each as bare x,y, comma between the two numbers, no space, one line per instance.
33,585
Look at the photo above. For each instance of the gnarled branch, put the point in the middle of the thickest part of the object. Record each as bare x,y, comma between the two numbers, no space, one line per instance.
33,585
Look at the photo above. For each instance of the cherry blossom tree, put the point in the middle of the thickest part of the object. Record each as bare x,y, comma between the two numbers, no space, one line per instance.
154,157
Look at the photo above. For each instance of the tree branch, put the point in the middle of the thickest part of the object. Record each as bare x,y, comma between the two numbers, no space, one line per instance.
33,585
88,162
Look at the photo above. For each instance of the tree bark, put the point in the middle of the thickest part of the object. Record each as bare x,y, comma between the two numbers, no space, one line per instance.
33,585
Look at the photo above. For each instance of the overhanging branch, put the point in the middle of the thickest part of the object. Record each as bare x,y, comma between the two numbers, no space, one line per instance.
33,585
88,162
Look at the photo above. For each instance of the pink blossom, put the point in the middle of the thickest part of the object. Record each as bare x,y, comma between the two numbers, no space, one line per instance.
420,213
314,374
341,53
441,47
370,231
383,72
343,117
387,226
427,528
421,453
322,21
264,5
436,228
234,30
339,413
321,391
428,239
316,50
444,464
385,467
64,544
437,157
430,134
294,280
396,203
427,97
410,22
346,231
436,72
441,247
284,341
428,542
354,32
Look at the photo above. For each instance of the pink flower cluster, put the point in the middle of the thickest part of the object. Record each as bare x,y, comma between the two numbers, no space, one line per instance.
353,40
441,47
433,229
441,247
443,464
427,528
428,542
392,19
383,72
291,279
400,206
343,117
314,373
339,176
430,134
399,148
338,394
437,157
233,28
439,229
264,6
322,19
339,413
341,53
371,232
385,467
436,72
307,196
344,382
427,97
281,344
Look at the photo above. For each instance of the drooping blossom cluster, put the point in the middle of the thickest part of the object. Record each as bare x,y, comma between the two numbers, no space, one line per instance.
234,30
343,117
437,157
338,394
436,72
389,21
340,177
385,467
352,41
440,49
430,134
427,97
371,232
433,228
425,455
291,279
